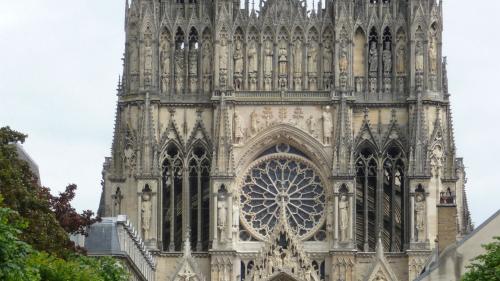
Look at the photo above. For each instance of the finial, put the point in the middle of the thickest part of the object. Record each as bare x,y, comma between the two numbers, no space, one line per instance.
187,243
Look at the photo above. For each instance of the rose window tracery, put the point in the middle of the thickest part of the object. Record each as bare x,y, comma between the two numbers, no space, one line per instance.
282,184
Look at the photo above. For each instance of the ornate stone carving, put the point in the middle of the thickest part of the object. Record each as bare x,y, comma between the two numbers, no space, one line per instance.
420,217
343,217
297,57
327,126
117,202
238,130
193,62
401,59
373,58
419,57
252,58
146,210
311,126
179,70
254,123
222,214
238,58
343,60
268,59
283,59
433,56
327,57
387,58
148,59
207,58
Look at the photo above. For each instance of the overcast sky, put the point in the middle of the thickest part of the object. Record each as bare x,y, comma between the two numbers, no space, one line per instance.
59,67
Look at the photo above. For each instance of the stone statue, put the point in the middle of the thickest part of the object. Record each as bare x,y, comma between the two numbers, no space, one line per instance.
312,59
146,214
400,64
222,216
343,60
238,58
117,198
373,57
252,57
282,59
223,55
329,217
165,57
238,131
254,122
387,58
297,56
268,57
327,127
236,219
343,217
433,56
419,57
327,58
148,56
310,125
207,58
420,217
179,70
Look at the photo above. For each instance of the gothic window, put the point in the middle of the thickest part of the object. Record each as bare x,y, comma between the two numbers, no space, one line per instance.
193,60
282,185
366,186
380,199
199,193
172,175
393,201
359,53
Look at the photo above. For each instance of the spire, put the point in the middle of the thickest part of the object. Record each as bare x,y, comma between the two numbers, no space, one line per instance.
223,147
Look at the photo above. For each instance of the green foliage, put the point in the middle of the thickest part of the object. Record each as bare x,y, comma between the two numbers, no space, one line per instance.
487,266
14,253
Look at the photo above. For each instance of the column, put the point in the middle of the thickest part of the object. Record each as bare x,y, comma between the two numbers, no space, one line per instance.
412,217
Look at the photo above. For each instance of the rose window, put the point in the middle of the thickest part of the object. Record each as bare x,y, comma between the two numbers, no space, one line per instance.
282,184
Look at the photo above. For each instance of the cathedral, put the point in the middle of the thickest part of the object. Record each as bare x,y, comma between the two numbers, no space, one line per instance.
278,140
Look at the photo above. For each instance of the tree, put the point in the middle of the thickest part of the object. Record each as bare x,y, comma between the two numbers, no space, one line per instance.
50,218
486,266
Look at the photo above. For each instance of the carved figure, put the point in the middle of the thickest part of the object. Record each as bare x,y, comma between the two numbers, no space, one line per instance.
387,58
343,217
165,57
401,66
268,57
283,60
223,55
252,57
238,58
133,57
207,58
373,59
433,56
236,219
310,125
297,56
419,57
179,70
254,122
146,214
222,215
420,216
327,58
148,54
312,58
327,127
117,198
193,62
343,61
238,131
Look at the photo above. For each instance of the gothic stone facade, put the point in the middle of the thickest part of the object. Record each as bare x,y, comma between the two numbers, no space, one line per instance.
284,141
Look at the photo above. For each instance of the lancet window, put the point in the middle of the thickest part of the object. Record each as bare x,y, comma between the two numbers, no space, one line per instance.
199,191
179,66
380,199
185,197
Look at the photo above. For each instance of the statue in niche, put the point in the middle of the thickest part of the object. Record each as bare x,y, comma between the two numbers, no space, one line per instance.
179,70
419,57
165,83
400,64
297,56
373,57
148,55
133,57
146,214
238,58
207,58
420,216
252,58
222,215
310,125
268,58
254,122
312,59
165,57
387,58
282,59
437,159
327,57
117,202
343,217
343,60
238,130
236,219
193,61
327,126
223,55
433,56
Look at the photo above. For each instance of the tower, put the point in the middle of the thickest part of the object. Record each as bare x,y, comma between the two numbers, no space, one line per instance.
290,140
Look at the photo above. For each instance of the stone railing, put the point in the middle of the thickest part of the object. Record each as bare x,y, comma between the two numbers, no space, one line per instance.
115,236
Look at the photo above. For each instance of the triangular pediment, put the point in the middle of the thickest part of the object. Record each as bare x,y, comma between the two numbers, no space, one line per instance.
187,268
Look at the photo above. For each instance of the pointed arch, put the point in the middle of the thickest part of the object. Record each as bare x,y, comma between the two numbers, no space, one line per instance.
172,165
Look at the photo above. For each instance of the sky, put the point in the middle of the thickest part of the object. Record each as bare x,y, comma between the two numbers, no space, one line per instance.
59,68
